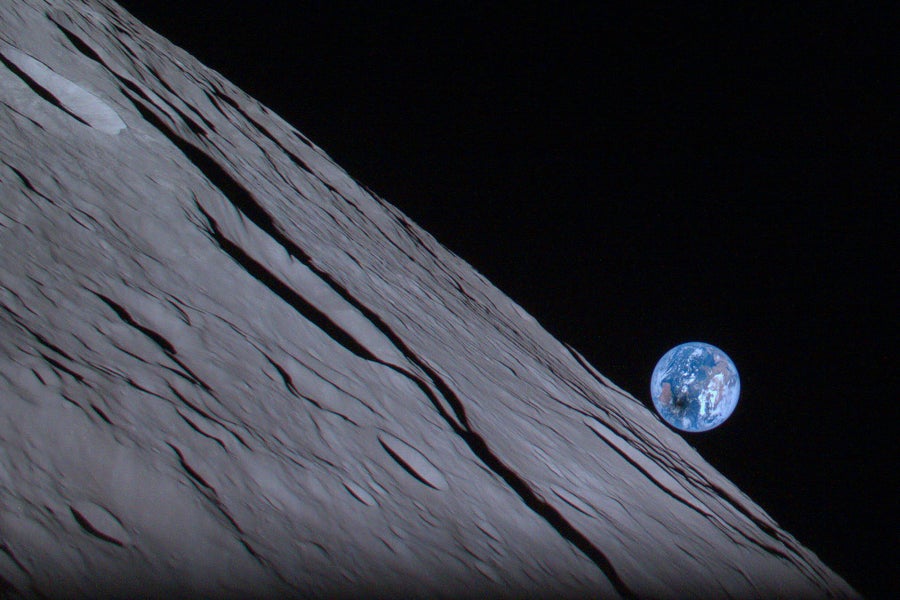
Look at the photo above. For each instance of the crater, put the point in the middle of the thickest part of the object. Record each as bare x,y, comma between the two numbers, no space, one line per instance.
63,93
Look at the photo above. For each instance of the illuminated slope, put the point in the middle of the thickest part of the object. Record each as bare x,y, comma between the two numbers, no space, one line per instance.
226,369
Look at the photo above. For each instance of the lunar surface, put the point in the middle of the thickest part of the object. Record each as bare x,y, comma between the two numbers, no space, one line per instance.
228,370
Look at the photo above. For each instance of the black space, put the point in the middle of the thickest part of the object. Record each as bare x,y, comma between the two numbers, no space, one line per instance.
636,180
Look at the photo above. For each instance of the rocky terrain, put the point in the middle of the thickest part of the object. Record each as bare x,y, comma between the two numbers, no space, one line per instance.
228,370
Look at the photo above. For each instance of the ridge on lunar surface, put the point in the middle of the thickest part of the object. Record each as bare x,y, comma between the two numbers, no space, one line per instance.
228,370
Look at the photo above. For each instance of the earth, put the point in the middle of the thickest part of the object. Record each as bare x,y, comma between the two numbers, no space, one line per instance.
695,387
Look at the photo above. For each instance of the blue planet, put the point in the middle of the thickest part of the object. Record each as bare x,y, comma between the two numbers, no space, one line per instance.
695,387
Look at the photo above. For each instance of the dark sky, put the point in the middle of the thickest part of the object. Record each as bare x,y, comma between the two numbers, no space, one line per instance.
636,180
